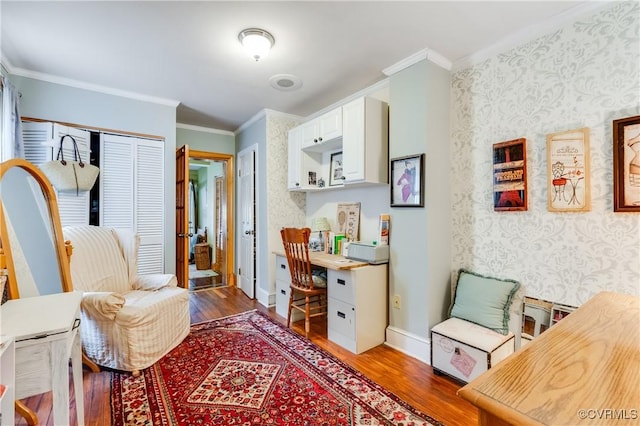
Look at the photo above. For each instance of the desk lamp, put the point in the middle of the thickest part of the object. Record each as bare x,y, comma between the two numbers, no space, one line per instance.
319,225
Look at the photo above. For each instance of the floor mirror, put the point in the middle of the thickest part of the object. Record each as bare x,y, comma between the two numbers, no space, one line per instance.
31,236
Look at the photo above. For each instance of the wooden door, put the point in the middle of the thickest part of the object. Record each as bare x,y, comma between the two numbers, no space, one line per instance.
182,216
220,227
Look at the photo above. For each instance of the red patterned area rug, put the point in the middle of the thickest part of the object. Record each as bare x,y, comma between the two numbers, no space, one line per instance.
247,369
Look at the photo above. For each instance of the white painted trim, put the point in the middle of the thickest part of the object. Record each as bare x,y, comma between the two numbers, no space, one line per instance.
204,129
428,54
251,121
264,298
531,32
93,87
408,343
280,114
375,87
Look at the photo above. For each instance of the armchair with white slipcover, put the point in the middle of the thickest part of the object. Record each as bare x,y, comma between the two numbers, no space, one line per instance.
129,321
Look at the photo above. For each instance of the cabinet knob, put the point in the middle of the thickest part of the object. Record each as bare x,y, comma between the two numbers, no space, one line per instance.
343,178
320,139
315,141
297,183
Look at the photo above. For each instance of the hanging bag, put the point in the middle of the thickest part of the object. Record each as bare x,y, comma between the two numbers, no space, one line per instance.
70,176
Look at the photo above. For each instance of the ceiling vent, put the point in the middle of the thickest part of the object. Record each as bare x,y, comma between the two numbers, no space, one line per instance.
285,82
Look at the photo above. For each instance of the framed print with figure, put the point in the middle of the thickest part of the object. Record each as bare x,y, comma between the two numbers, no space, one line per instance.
626,164
407,181
335,172
568,187
510,175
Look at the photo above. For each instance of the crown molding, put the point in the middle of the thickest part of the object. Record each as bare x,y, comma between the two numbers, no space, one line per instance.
369,90
204,129
532,32
426,53
250,122
89,86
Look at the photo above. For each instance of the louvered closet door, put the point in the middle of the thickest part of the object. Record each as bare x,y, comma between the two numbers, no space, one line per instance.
132,193
150,205
74,209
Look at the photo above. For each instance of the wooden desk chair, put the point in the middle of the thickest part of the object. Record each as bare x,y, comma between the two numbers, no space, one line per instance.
308,292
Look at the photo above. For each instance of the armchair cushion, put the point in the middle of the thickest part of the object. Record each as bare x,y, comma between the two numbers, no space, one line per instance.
154,282
103,305
484,300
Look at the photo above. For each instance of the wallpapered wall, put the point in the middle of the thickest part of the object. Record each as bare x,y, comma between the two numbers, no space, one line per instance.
584,75
284,208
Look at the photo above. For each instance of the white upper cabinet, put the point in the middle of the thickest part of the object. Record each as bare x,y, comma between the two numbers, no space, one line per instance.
322,130
358,129
365,146
293,173
330,125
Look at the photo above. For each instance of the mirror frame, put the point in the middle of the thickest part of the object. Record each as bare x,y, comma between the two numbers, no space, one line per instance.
62,247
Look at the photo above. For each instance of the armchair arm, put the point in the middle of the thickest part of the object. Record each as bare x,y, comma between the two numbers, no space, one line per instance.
151,282
102,305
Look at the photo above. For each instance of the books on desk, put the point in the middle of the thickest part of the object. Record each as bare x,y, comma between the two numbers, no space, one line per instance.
333,242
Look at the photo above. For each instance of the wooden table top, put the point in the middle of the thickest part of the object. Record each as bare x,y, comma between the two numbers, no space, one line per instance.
329,261
583,370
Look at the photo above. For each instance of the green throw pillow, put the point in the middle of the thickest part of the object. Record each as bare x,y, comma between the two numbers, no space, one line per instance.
484,300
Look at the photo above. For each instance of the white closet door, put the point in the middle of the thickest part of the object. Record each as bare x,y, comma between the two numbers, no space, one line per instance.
149,206
74,208
132,194
117,183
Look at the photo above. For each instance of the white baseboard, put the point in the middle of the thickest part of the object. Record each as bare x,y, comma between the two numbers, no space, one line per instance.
265,298
409,343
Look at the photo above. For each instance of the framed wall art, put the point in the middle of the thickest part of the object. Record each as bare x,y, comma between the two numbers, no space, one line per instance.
335,172
510,175
407,181
568,183
626,164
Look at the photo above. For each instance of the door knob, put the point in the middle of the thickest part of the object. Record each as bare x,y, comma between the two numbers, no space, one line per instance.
185,235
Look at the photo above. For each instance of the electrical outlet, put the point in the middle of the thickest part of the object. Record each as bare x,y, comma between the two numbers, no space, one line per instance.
396,301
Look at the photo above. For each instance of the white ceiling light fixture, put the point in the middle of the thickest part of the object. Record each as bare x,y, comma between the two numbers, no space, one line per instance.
256,42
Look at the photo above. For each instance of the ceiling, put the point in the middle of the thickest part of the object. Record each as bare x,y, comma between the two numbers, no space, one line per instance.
188,52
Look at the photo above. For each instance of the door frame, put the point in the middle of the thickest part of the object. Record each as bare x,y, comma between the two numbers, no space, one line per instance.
229,171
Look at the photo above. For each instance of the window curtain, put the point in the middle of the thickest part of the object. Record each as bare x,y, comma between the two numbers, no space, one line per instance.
12,145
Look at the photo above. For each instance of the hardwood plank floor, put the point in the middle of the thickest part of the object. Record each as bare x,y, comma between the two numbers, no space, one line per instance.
410,379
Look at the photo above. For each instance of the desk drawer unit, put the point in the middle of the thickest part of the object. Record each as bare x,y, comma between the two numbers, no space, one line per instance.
283,281
464,350
357,311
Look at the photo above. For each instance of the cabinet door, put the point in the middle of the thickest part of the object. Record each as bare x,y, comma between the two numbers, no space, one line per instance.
330,125
353,143
309,134
293,173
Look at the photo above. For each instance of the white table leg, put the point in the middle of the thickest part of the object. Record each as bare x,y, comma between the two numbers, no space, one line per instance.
76,363
60,381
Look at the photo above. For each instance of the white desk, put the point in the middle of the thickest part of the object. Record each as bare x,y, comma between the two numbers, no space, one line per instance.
357,293
45,329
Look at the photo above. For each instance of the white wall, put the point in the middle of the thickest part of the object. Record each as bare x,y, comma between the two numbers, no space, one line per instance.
584,75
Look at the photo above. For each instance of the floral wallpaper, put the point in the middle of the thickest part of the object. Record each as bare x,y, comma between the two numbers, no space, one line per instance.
583,75
284,208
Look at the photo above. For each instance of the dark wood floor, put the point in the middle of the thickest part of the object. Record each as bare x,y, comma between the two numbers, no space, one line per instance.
410,379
